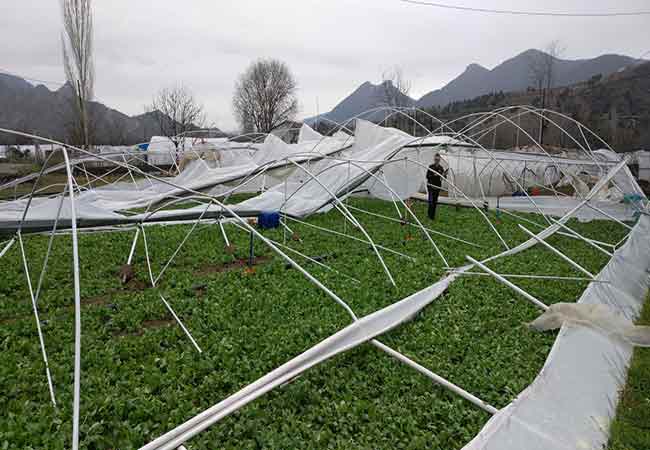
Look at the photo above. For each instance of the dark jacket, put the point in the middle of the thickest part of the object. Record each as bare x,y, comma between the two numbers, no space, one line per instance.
434,179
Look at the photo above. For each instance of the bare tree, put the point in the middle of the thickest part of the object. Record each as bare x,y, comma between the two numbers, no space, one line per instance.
176,112
79,123
395,89
542,66
77,42
536,71
553,52
394,92
265,96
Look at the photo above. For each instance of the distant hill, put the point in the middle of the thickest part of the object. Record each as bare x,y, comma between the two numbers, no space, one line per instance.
514,75
365,97
511,75
38,110
615,107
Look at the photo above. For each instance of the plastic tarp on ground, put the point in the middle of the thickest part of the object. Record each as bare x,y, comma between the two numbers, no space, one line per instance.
554,206
107,201
372,146
570,404
600,317
161,150
387,162
320,183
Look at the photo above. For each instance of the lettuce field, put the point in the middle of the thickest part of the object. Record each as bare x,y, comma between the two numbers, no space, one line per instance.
141,376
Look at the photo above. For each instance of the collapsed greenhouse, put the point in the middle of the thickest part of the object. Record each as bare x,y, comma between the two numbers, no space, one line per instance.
231,187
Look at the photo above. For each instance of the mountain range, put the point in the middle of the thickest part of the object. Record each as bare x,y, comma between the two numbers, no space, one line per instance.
510,76
38,110
364,98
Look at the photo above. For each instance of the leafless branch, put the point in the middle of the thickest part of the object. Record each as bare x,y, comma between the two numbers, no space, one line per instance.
542,67
265,96
177,112
77,42
395,89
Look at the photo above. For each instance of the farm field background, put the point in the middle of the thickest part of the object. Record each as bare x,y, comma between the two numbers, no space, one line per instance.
141,376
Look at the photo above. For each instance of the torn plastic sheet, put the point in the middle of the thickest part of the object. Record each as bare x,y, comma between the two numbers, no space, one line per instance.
571,402
601,318
106,201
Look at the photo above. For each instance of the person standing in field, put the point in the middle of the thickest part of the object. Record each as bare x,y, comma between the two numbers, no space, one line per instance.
435,173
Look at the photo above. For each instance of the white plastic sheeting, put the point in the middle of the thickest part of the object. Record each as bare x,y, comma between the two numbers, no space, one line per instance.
372,146
47,208
319,184
162,150
481,174
300,179
571,402
601,318
555,207
106,201
308,134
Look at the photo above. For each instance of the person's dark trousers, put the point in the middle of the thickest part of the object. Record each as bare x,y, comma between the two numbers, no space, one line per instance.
433,202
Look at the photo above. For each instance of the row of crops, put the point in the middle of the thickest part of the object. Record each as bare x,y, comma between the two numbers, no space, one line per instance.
141,376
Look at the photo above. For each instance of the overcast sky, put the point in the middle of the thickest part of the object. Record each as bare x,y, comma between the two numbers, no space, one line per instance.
331,46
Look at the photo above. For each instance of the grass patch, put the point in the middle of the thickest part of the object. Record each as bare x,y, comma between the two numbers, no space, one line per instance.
141,377
630,429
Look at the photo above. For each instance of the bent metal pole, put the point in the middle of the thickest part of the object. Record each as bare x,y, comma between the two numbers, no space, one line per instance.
186,431
512,286
7,247
77,308
557,252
